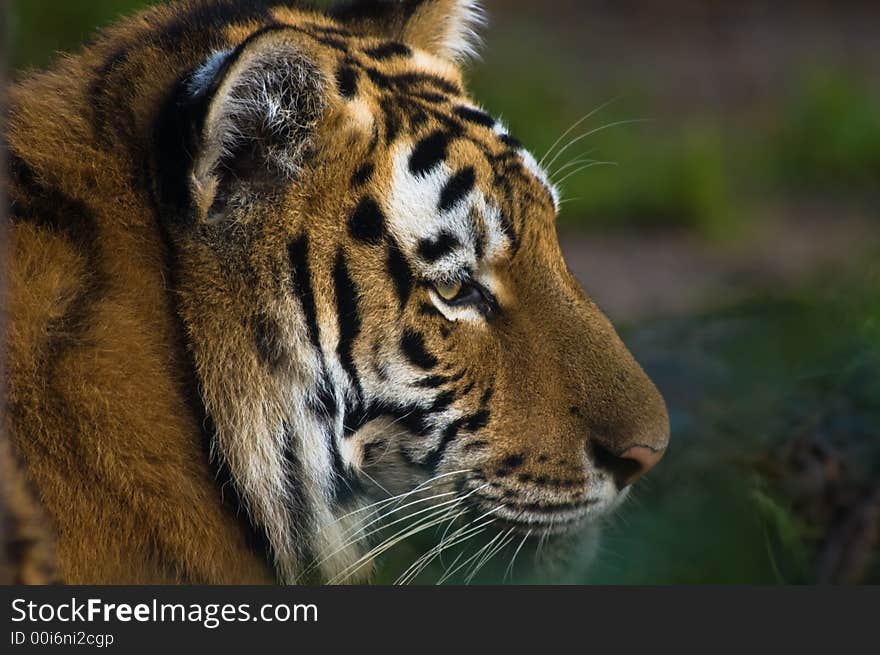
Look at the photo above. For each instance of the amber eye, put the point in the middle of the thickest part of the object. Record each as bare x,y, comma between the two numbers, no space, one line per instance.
448,290
466,293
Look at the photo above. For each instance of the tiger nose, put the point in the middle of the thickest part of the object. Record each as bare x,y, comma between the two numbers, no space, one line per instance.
631,441
638,460
631,464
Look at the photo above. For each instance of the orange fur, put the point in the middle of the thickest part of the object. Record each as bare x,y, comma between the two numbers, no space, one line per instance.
120,311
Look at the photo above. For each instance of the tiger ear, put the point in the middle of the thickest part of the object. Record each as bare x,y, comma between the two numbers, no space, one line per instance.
446,28
255,112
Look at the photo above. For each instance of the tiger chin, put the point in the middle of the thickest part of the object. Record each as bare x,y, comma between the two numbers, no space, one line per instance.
275,281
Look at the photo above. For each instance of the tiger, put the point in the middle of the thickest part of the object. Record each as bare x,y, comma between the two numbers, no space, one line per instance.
273,277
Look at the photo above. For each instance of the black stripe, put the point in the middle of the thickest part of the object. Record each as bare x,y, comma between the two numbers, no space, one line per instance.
345,485
328,29
481,236
363,174
389,50
432,460
411,417
507,223
513,461
324,403
298,253
381,80
356,417
417,118
472,423
347,81
411,83
347,313
477,444
428,309
401,274
406,82
413,346
414,418
432,382
435,381
269,342
105,84
392,118
456,188
332,42
429,152
433,249
511,142
374,139
52,209
442,402
367,222
295,499
357,12
22,176
478,420
433,98
473,115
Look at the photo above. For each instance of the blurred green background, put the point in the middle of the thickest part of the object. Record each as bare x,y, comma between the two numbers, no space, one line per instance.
726,218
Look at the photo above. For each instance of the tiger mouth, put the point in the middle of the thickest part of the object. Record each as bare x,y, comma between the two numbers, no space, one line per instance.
538,519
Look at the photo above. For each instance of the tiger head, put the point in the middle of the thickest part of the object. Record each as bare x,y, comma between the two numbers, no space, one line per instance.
368,271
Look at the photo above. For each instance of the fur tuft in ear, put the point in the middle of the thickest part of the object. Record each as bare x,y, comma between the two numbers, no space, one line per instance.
259,124
244,118
446,28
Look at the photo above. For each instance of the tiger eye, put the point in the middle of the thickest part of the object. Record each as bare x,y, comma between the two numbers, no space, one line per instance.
448,290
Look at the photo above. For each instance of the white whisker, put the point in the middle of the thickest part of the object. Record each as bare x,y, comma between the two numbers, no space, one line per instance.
591,133
461,535
478,554
452,571
427,557
374,481
489,555
572,128
430,510
389,543
508,572
581,169
582,158
386,501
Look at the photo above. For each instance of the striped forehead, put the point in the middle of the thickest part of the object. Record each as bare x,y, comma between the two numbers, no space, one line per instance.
438,213
441,207
442,202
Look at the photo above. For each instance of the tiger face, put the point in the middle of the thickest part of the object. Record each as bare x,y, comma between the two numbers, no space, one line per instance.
376,303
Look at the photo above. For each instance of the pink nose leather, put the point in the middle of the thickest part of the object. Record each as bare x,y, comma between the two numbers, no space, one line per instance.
644,460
